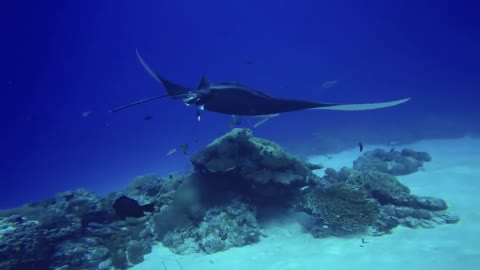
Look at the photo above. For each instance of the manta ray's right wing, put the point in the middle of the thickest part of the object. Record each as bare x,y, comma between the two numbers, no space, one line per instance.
363,106
345,107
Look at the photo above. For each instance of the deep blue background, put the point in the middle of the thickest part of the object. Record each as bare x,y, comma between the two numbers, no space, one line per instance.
62,58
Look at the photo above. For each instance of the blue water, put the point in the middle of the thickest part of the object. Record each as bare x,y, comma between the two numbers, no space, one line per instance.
63,58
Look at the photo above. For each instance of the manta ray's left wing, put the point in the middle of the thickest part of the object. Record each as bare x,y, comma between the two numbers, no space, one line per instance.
174,90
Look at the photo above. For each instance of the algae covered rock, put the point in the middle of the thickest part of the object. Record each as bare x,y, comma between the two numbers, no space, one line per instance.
148,186
29,235
187,207
74,230
182,240
255,160
136,250
384,188
84,253
224,227
239,163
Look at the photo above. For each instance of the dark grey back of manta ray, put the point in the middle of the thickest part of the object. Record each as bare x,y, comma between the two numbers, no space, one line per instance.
231,98
235,99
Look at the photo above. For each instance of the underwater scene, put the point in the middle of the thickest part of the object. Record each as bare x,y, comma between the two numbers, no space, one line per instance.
232,135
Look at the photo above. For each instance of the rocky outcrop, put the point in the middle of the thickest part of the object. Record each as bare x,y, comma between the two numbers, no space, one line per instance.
392,162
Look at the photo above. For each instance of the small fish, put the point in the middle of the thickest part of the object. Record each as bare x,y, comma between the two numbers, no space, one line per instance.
364,242
265,119
148,117
236,120
249,62
185,148
171,151
360,146
198,115
304,188
261,122
329,84
86,114
128,207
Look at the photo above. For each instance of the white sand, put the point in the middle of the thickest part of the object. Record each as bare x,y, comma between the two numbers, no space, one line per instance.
453,175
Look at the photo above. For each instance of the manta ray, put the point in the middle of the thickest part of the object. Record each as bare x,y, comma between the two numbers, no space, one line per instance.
235,99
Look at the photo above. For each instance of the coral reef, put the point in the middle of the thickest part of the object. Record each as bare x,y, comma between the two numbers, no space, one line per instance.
237,180
341,210
369,201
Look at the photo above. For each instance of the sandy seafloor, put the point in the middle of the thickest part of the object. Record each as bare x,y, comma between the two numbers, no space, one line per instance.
453,175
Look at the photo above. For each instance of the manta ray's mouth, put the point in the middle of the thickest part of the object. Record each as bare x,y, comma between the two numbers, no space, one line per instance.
197,98
191,99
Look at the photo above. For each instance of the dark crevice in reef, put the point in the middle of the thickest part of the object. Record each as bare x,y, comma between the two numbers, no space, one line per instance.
238,182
